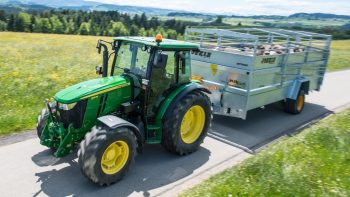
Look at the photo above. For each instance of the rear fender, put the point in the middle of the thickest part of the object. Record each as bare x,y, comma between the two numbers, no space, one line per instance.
182,94
298,84
174,97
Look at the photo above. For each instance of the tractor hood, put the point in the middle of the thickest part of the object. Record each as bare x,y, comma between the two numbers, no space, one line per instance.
91,88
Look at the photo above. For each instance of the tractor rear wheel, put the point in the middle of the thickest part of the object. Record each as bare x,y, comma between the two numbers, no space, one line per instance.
295,106
187,125
42,120
105,155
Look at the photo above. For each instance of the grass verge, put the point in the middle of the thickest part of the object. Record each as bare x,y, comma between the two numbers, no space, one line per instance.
340,55
315,162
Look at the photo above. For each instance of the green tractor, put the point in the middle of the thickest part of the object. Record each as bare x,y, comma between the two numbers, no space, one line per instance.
145,97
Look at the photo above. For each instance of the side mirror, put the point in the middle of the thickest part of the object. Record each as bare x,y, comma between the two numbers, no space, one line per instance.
160,60
99,70
98,47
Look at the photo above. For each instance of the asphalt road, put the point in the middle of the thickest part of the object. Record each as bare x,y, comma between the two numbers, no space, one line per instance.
28,169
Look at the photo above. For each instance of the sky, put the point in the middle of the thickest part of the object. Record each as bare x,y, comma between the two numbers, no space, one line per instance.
245,7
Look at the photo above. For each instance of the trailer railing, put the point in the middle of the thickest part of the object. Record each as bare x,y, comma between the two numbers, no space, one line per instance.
258,41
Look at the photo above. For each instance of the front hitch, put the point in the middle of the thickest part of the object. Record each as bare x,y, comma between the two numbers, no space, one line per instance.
54,135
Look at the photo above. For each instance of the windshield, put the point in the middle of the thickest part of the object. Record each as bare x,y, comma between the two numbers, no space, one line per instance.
134,57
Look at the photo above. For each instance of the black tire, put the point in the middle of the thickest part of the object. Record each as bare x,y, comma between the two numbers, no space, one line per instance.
92,149
172,140
42,120
40,125
295,106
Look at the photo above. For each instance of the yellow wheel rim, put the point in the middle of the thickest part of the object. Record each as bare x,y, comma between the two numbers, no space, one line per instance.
115,157
192,124
300,102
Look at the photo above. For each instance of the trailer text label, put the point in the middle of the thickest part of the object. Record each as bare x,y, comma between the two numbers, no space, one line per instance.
269,60
201,53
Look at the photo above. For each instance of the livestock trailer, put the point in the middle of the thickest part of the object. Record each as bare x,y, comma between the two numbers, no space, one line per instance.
249,68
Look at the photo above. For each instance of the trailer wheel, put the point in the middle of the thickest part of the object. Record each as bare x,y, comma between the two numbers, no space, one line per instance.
42,120
187,125
106,155
295,106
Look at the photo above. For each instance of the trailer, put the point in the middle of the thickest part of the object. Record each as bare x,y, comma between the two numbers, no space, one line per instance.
249,68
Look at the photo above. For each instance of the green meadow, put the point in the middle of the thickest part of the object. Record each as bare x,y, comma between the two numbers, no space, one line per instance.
34,67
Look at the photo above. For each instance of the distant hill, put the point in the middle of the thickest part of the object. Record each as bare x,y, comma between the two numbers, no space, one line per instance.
129,9
275,17
52,3
318,16
193,14
18,5
345,27
261,16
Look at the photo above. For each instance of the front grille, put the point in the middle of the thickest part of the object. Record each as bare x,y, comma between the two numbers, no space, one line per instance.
75,115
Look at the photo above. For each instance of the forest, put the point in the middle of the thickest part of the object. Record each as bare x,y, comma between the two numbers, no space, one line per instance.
114,23
99,23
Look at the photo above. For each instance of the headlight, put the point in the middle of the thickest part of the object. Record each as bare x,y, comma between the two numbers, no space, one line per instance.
66,106
53,104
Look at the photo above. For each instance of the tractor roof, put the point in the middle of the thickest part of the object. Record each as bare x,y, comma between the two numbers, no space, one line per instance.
165,44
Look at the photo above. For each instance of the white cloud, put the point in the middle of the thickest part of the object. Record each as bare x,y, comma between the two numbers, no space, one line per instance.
245,7
179,4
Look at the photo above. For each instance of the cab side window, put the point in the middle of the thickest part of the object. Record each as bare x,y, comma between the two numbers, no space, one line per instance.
161,78
184,59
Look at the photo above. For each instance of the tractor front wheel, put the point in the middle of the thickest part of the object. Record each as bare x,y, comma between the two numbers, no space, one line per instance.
105,155
42,120
187,125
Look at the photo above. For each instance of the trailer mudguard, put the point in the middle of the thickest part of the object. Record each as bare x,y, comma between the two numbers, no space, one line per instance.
114,122
298,84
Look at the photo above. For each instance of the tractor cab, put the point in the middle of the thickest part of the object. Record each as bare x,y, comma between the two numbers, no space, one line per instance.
154,65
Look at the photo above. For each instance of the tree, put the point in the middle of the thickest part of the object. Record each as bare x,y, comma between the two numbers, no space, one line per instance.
142,32
239,24
2,26
11,23
57,26
172,34
70,27
2,15
170,23
118,29
84,28
136,20
93,29
134,30
219,20
151,32
22,22
37,25
143,21
46,26
154,23
32,23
